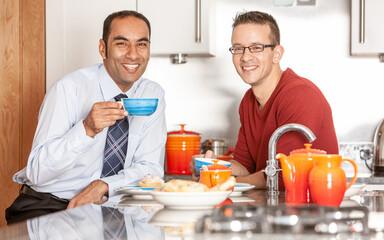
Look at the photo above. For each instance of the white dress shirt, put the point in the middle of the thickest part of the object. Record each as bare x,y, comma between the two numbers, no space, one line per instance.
64,160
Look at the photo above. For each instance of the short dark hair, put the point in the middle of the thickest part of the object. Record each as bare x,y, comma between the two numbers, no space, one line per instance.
122,14
259,18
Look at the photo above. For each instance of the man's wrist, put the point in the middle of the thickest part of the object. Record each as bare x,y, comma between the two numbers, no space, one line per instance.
88,130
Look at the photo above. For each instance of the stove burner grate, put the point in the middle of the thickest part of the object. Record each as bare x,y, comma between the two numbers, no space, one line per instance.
285,219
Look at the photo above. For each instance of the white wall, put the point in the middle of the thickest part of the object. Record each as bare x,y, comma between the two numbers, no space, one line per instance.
205,93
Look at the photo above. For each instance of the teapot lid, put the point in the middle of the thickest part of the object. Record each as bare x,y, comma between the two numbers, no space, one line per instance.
216,166
183,132
308,150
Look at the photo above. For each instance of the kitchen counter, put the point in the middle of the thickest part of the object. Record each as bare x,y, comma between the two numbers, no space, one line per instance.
370,180
146,219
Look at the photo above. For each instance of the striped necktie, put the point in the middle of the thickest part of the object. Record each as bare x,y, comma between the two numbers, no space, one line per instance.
116,145
114,224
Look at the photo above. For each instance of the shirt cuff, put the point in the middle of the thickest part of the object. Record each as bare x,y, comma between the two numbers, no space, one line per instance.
116,181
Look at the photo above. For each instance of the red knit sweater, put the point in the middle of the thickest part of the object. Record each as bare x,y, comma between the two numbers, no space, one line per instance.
295,100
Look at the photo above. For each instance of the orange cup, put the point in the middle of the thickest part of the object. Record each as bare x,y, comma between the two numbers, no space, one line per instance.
215,175
212,178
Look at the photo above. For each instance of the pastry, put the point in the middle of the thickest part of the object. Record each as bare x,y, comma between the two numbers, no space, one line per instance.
178,185
151,181
225,186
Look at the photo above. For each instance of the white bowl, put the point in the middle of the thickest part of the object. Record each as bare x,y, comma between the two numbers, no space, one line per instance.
354,190
190,200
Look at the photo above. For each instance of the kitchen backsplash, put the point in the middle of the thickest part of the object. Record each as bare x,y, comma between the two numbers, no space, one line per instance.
361,153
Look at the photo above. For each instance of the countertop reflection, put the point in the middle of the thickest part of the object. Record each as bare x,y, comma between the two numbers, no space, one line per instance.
145,219
88,222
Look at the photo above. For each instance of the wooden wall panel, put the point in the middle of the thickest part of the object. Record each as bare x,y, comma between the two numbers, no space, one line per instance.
10,104
33,70
22,88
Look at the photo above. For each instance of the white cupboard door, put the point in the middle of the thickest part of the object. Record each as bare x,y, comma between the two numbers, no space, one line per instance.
176,25
73,30
367,34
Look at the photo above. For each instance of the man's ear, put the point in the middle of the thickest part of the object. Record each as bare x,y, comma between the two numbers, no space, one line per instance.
278,53
102,49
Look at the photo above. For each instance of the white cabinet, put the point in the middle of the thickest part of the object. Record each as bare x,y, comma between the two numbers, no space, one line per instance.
367,34
73,30
180,26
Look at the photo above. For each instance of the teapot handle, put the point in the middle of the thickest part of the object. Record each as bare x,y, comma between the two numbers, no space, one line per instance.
354,177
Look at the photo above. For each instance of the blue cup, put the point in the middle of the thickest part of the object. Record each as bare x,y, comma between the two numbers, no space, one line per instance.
140,106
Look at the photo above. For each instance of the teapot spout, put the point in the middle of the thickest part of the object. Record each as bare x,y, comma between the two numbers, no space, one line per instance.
284,160
282,157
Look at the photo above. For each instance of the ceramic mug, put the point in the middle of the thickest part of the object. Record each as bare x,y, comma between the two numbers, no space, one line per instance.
211,178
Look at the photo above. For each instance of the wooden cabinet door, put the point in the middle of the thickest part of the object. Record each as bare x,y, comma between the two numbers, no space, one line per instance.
22,88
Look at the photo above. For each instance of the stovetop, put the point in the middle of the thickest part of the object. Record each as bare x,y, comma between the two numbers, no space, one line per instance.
282,219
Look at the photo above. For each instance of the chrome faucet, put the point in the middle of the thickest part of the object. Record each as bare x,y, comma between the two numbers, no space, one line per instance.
272,168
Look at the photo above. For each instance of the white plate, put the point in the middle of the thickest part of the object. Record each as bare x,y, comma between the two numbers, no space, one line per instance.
354,190
235,194
349,203
190,200
241,199
137,192
241,187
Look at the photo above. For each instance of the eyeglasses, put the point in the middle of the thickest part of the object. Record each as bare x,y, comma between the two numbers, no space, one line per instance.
253,49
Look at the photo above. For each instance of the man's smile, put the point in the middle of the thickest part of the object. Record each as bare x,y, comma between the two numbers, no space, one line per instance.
249,68
130,67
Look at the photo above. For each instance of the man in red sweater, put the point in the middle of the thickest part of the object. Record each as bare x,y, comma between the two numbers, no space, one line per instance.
275,98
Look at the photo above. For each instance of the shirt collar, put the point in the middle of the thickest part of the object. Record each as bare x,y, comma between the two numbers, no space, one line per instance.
110,89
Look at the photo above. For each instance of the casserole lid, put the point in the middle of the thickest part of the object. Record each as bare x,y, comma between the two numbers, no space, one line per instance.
183,132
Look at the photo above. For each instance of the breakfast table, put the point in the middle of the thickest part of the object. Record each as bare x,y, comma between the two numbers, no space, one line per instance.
243,215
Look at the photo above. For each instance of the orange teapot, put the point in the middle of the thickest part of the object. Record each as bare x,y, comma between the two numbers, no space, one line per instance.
327,180
214,174
296,168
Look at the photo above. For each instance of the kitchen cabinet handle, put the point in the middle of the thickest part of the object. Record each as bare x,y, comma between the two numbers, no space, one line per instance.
198,21
362,21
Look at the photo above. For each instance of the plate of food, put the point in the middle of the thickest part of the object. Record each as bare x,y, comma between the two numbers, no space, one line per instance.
190,200
185,194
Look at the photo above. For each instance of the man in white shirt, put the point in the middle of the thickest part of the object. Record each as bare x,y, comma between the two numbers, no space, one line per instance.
65,165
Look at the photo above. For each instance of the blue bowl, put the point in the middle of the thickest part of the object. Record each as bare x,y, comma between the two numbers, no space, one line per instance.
140,106
199,162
